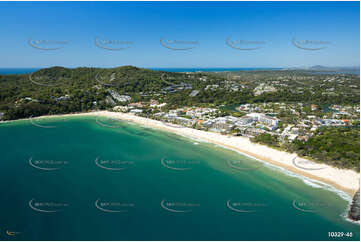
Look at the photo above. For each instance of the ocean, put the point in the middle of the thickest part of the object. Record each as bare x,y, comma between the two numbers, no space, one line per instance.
11,71
91,178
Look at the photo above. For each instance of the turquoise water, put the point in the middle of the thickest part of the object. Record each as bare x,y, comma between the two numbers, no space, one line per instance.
83,178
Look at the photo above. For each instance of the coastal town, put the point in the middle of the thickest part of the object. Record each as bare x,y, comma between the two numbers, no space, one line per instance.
180,121
288,109
315,116
252,119
287,121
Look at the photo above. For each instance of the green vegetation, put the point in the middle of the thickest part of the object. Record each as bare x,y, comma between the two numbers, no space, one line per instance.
335,146
86,86
338,147
266,139
59,90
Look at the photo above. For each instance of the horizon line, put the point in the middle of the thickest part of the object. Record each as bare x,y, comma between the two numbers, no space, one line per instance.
186,67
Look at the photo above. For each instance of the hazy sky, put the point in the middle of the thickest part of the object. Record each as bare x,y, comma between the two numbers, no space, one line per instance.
213,34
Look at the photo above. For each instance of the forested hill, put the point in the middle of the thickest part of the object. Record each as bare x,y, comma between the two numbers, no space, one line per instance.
62,90
23,95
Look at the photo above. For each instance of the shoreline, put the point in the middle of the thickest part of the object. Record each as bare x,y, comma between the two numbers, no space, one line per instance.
342,179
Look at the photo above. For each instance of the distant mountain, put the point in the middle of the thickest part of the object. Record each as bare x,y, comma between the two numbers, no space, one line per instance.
327,68
336,68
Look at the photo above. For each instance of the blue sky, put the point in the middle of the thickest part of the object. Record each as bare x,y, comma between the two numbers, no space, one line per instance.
203,26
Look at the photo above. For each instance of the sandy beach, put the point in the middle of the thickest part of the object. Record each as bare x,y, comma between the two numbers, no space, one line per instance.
345,180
